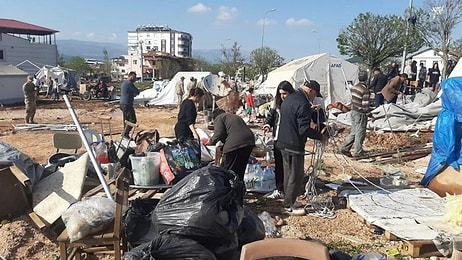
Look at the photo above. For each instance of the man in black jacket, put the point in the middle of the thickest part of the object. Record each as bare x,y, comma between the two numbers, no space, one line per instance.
378,82
294,129
238,140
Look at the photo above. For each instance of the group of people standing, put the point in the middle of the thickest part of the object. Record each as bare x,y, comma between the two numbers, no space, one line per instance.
387,87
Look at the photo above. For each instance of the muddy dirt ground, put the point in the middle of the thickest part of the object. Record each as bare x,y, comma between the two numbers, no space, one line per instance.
346,232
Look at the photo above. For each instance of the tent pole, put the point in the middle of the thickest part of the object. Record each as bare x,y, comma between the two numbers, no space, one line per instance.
88,148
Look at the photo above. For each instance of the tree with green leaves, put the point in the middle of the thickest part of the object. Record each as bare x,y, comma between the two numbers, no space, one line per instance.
106,62
231,59
168,69
79,64
264,59
376,38
61,62
200,64
437,24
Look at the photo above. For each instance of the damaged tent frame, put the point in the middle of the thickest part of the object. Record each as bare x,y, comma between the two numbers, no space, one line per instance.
88,148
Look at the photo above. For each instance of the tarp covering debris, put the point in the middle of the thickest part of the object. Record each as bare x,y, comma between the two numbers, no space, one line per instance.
417,114
11,156
447,149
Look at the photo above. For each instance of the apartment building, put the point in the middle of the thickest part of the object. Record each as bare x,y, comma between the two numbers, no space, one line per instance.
148,38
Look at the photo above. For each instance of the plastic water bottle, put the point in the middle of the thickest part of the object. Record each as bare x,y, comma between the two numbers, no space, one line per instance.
258,177
101,152
249,176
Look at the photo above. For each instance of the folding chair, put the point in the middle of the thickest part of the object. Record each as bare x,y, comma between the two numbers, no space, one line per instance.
280,247
67,141
110,241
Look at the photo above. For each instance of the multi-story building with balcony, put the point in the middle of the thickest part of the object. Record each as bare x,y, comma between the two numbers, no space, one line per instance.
27,46
156,38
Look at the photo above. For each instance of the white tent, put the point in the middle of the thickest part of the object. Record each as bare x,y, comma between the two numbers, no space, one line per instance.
69,79
332,73
168,95
11,81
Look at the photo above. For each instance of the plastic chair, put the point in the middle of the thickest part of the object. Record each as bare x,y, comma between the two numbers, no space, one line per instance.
110,241
67,141
280,247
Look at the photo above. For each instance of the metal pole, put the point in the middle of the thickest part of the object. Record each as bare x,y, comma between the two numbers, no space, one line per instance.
141,47
262,37
264,22
88,148
403,65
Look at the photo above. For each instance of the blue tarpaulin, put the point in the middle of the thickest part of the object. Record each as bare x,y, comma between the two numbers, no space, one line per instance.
447,137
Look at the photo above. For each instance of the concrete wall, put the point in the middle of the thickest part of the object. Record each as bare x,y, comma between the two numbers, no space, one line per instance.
16,50
11,89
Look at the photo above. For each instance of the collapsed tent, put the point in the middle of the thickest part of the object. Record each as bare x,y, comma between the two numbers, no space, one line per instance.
148,94
167,96
447,149
332,73
417,114
67,78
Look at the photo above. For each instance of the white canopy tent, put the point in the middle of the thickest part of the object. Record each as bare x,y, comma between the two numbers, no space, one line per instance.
332,73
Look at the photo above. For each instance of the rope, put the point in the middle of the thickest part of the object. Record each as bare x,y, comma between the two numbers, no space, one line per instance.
321,207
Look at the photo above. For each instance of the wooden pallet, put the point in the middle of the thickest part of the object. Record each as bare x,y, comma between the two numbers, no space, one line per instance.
413,248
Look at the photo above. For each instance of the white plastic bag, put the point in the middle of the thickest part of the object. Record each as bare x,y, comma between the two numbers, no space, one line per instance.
88,217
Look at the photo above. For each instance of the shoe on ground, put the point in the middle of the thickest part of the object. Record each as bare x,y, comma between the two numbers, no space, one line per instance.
346,153
363,153
275,194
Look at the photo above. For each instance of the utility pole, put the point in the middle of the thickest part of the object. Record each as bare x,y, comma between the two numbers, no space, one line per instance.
141,48
403,62
263,36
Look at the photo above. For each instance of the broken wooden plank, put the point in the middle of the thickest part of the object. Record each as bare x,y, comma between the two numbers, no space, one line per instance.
37,220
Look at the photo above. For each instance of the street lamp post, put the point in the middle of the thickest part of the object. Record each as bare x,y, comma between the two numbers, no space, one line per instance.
141,48
319,40
263,37
264,22
407,33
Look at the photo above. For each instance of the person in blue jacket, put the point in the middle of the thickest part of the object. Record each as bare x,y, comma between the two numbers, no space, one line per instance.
128,92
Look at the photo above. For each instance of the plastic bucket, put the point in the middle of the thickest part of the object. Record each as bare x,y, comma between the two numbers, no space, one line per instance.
145,169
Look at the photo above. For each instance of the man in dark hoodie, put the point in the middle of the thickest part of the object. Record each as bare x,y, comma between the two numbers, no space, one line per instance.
237,138
294,129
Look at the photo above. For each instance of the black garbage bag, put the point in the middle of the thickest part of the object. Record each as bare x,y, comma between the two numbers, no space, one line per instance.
251,228
204,204
224,248
170,247
137,219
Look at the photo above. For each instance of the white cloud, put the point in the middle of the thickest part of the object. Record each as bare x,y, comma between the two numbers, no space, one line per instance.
300,22
90,35
226,13
267,22
199,8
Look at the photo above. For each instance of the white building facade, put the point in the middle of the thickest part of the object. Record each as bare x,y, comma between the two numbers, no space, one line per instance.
159,38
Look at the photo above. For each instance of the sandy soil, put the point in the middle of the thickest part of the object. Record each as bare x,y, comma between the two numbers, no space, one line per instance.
22,240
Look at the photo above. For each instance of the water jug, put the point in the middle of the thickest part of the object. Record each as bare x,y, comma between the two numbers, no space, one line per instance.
101,152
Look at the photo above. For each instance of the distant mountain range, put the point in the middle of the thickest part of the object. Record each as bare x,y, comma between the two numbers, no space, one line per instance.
94,50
